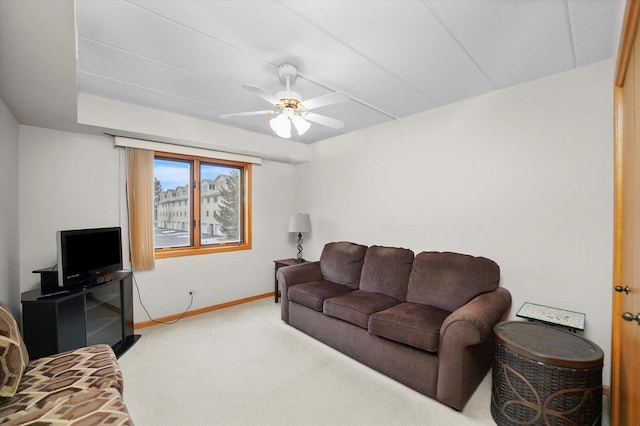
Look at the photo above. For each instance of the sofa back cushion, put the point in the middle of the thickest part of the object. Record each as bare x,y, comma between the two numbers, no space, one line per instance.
449,280
386,270
341,262
13,355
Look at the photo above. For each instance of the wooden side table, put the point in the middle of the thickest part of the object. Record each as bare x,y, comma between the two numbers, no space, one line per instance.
279,264
545,375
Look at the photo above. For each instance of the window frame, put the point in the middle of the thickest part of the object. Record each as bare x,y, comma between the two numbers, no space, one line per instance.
196,248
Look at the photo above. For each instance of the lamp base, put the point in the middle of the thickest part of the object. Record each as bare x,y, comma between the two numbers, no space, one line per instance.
299,258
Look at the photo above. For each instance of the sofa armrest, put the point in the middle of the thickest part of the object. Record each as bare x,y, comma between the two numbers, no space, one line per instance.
479,316
289,276
466,345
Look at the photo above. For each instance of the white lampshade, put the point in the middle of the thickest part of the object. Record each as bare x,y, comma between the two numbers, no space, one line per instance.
300,124
300,222
281,125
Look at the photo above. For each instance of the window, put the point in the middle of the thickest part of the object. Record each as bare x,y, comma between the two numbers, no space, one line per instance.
185,221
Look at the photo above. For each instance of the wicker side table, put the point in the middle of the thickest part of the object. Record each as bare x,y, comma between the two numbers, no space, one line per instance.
543,375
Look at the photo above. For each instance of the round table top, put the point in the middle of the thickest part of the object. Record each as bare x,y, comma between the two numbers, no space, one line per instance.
547,344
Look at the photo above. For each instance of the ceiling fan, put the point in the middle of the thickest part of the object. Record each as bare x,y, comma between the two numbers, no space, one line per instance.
291,109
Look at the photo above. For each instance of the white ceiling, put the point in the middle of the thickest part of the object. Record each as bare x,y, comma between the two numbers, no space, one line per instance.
393,57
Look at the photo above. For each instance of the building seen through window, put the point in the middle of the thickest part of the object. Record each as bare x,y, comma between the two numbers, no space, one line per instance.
200,204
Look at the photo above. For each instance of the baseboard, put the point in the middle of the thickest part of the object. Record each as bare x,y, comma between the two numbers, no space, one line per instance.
202,310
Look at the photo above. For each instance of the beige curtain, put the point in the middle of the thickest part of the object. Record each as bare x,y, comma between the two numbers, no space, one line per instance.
140,199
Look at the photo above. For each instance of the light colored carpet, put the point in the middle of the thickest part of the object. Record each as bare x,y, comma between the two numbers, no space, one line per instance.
243,366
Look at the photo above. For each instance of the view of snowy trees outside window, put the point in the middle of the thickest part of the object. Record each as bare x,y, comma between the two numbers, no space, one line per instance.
218,208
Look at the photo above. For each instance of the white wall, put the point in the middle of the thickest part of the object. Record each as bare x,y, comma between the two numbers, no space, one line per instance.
135,121
523,176
71,180
9,237
224,277
67,181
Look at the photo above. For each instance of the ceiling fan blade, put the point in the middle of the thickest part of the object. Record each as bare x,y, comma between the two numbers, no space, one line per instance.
259,91
328,99
249,113
324,120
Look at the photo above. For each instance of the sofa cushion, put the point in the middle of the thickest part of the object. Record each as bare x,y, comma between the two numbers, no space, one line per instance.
94,366
386,270
409,323
356,307
13,355
313,294
49,380
83,407
341,262
449,280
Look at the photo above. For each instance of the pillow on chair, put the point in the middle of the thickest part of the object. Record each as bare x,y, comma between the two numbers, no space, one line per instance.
13,355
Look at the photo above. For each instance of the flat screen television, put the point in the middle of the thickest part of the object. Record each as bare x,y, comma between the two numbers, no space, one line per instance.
84,255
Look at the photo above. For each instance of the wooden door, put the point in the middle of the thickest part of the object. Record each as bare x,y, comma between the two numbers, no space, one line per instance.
625,353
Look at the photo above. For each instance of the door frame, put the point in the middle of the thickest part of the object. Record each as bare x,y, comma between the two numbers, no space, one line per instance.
627,39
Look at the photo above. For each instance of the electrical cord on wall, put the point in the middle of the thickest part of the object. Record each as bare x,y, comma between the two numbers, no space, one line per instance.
147,312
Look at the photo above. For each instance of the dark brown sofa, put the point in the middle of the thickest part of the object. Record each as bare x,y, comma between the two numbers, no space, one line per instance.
425,320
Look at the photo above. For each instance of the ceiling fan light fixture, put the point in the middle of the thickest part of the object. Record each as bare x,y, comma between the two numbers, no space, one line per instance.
290,111
300,124
281,125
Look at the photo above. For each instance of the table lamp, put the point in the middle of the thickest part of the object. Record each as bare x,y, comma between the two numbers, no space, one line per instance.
300,223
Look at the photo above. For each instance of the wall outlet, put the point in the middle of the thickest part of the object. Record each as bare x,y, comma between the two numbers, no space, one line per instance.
191,292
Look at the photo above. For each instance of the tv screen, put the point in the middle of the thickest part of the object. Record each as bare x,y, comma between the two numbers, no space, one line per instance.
86,254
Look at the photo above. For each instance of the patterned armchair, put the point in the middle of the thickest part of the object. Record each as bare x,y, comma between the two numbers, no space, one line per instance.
82,385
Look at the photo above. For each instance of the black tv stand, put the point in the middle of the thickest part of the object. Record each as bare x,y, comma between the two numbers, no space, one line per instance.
53,295
100,313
